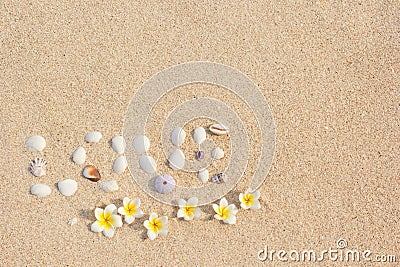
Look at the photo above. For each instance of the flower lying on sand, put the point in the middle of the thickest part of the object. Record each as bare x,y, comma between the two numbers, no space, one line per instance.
189,210
130,210
249,200
155,226
107,220
225,212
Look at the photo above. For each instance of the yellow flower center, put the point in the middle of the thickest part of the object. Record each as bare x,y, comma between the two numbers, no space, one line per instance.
155,225
130,209
106,221
223,212
189,210
248,199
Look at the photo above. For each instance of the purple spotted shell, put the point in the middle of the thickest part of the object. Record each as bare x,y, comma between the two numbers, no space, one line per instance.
164,184
219,178
200,155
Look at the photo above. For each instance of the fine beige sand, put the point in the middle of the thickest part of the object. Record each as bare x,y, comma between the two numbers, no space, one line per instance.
330,73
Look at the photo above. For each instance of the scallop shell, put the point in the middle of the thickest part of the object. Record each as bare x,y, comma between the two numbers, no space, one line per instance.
93,137
79,155
67,187
120,164
141,144
176,159
91,173
72,221
109,186
36,143
199,135
219,178
164,184
148,164
38,167
217,153
200,155
203,175
40,190
218,129
178,136
118,144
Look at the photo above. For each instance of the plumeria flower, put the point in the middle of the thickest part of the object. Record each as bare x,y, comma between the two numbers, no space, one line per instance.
130,210
189,210
225,212
155,226
107,220
249,200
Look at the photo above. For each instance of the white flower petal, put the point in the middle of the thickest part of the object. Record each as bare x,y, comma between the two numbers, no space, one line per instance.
146,224
180,213
109,232
215,207
216,216
193,201
152,235
231,219
256,205
164,231
110,209
256,194
181,203
241,197
98,212
223,202
244,206
188,218
121,210
153,216
139,213
129,219
164,220
126,201
136,201
197,213
232,208
116,220
96,227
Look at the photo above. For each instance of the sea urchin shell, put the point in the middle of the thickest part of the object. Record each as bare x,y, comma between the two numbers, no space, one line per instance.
164,184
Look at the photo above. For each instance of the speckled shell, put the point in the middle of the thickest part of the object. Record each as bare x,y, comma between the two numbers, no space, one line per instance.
219,178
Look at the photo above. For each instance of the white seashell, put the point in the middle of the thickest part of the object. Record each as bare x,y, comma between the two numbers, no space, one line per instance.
176,159
120,164
93,137
178,136
38,167
36,143
91,173
141,144
109,186
219,178
203,175
199,135
118,144
40,190
72,221
148,164
164,184
79,155
218,129
217,153
67,187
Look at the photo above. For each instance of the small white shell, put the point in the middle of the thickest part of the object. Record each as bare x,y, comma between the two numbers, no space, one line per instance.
109,186
218,129
217,153
141,144
176,159
67,187
148,164
38,167
72,221
40,190
178,136
118,144
79,155
203,175
120,164
93,137
199,135
36,143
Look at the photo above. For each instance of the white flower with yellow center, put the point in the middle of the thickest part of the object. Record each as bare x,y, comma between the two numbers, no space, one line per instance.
225,212
249,200
130,210
189,210
156,226
107,220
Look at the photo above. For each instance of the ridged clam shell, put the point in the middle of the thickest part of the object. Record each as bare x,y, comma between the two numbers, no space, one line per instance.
178,136
38,167
36,143
218,129
118,144
203,175
199,135
217,153
93,137
91,173
148,164
79,155
40,190
164,184
141,144
176,159
109,186
120,164
67,187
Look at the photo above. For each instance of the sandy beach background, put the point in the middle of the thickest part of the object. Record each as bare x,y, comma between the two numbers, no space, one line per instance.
330,73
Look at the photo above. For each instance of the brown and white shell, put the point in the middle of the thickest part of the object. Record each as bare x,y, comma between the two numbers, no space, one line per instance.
91,173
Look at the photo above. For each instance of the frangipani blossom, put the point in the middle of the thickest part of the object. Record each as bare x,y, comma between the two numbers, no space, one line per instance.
107,220
249,200
189,210
156,226
225,212
130,210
